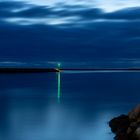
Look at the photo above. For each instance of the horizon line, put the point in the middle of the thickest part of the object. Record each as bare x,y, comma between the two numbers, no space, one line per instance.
43,70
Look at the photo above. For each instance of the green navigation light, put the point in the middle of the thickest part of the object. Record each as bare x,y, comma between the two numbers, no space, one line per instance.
59,65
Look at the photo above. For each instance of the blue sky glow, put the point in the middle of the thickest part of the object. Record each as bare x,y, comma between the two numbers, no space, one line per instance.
73,31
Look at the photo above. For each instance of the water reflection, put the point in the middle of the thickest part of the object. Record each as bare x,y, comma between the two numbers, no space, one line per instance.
37,120
59,87
29,108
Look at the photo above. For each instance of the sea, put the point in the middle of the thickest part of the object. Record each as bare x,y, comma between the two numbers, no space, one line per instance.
74,106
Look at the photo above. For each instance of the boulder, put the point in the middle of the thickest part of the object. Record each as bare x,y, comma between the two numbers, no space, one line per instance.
137,133
119,124
134,114
127,127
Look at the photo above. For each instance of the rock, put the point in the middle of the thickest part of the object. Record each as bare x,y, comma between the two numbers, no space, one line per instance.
135,113
129,130
127,127
137,133
119,124
121,136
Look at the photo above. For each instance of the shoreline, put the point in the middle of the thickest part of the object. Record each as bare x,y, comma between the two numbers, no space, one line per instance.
27,70
43,70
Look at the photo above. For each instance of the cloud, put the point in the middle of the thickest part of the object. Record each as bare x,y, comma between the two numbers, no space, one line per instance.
107,6
70,33
67,15
102,42
127,14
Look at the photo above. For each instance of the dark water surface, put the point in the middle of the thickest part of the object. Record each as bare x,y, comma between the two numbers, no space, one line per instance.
29,108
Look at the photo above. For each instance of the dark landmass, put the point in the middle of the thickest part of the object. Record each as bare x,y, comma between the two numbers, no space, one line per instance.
27,70
43,70
127,127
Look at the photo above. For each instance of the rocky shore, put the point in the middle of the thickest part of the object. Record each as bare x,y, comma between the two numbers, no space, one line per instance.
127,127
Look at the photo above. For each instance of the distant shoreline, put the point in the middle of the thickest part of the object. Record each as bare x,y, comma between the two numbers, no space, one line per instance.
27,70
44,70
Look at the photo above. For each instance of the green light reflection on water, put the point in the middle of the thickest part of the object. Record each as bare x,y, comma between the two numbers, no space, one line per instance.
59,87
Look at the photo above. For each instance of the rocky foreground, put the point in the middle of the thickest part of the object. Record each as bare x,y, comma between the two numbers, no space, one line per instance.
127,127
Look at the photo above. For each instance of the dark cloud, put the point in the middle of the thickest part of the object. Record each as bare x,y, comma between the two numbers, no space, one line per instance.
44,11
103,40
7,7
39,11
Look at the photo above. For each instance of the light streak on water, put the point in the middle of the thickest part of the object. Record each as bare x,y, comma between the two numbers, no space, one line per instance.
59,87
78,71
59,83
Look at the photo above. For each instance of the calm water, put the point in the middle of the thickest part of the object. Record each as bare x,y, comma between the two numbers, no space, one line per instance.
29,108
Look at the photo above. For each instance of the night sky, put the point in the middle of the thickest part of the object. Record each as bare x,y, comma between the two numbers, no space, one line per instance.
77,33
